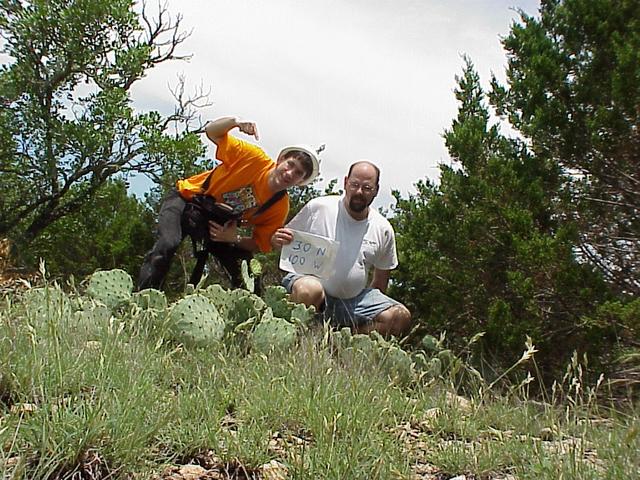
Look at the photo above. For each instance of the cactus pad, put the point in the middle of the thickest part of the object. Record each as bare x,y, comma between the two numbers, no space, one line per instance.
46,302
249,280
218,295
111,287
150,298
429,343
272,333
373,348
302,314
195,321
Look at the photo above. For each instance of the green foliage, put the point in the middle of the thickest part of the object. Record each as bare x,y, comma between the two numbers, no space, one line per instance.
113,230
241,307
92,314
47,302
66,119
200,319
528,235
574,93
617,321
396,363
87,391
276,298
248,277
485,251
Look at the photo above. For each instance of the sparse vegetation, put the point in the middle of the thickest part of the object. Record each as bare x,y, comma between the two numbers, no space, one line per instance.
527,243
94,387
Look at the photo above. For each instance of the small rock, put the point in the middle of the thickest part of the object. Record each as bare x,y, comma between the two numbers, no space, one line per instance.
547,434
191,472
459,402
274,470
23,408
433,413
12,462
93,346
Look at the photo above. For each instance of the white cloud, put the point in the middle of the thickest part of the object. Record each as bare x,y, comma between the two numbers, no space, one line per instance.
371,79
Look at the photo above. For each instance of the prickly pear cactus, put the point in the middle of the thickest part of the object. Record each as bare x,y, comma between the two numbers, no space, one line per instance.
255,266
218,295
374,349
363,343
272,334
434,367
302,314
398,364
450,363
341,339
47,302
241,307
93,315
149,298
195,321
249,280
276,297
111,287
148,309
378,339
429,343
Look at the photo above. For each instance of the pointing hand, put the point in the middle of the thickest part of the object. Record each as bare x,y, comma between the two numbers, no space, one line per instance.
250,128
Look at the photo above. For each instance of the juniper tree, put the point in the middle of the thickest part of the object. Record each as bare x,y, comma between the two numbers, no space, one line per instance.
483,250
573,90
535,233
66,120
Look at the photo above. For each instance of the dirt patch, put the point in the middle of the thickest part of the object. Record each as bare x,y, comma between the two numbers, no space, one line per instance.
12,278
209,467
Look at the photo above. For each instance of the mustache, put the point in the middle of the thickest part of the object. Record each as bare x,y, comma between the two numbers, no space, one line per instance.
358,203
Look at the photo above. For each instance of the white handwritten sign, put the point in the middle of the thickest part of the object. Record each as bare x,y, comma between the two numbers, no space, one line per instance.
309,254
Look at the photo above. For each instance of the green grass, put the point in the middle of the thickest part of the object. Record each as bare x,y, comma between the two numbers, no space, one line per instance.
105,396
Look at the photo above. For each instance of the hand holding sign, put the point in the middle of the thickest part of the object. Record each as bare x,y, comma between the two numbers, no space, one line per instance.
309,254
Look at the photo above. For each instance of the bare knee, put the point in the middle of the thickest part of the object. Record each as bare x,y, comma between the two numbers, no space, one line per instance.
402,319
308,290
394,320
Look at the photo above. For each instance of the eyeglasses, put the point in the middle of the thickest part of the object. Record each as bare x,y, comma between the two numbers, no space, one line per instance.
355,186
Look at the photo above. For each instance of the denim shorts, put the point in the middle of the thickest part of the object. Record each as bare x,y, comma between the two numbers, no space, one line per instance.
349,312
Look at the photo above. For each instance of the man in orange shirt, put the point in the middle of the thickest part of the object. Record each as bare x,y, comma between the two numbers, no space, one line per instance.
246,179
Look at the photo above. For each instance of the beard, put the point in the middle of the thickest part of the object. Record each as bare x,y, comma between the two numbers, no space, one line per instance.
358,203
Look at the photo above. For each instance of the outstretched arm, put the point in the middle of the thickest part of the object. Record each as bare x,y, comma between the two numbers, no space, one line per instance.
217,129
380,279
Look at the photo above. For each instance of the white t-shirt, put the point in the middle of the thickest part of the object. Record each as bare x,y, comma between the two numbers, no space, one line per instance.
363,243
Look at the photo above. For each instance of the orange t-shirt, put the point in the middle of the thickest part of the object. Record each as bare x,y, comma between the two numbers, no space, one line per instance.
241,181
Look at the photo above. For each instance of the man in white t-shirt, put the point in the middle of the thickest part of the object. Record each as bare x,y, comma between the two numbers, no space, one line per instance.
366,241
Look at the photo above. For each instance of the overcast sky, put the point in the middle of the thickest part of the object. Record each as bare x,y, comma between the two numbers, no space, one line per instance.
373,79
